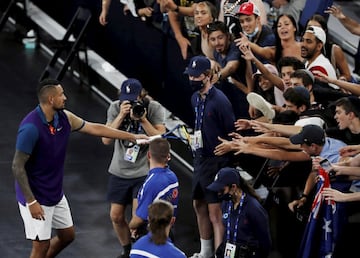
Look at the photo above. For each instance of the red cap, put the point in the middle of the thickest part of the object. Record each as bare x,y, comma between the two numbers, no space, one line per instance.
249,8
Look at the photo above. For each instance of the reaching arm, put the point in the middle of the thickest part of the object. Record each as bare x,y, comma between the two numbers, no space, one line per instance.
350,24
104,12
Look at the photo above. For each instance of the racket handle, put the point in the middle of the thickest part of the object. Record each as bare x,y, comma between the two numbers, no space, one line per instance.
151,138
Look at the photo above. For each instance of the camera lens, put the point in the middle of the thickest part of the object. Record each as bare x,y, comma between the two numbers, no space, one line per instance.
138,109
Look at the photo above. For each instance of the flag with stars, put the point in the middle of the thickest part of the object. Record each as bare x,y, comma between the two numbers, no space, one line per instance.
322,227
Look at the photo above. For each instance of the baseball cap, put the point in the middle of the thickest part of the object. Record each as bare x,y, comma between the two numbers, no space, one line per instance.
271,68
318,32
309,134
130,89
225,176
303,92
197,66
249,8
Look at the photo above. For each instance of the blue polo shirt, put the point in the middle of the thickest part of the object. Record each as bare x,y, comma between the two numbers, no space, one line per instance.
161,183
145,247
217,119
47,148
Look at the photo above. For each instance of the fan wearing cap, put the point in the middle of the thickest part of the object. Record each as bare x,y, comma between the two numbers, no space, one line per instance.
313,141
128,169
312,46
214,117
245,220
253,29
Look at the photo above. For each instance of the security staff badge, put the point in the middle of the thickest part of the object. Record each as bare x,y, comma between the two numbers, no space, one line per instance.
229,250
196,140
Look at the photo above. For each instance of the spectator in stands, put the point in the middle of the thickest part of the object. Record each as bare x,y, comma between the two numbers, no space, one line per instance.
253,29
205,13
156,243
347,115
292,7
129,165
213,117
38,168
229,10
350,24
353,88
246,221
161,183
312,46
285,44
227,60
332,51
314,142
105,5
182,23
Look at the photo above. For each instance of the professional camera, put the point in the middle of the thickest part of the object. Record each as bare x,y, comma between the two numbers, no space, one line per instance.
138,109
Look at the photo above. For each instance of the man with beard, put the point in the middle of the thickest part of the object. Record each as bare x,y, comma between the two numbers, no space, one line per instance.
214,118
230,75
38,167
312,45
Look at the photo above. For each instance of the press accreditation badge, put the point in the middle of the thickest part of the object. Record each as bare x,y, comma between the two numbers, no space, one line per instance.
229,250
196,140
132,153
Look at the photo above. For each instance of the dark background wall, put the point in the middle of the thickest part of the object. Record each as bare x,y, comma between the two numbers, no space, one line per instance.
135,48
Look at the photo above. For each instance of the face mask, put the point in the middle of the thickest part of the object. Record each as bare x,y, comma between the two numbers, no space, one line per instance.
225,197
196,85
253,34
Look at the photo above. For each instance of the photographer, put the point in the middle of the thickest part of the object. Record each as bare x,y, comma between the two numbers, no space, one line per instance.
137,113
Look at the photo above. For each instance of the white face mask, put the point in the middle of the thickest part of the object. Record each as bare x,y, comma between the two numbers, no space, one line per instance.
253,34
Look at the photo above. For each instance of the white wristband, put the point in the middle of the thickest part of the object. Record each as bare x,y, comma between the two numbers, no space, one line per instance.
32,203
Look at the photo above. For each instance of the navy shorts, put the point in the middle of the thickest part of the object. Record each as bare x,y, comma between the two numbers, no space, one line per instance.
205,170
123,190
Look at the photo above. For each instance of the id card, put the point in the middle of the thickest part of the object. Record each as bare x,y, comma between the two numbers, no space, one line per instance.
132,153
196,140
230,250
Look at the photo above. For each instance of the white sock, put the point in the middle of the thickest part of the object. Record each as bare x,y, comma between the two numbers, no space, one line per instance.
206,247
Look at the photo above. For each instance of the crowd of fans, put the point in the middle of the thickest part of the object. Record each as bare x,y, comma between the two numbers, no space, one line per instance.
296,106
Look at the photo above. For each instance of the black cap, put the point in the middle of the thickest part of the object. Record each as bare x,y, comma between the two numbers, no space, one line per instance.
309,134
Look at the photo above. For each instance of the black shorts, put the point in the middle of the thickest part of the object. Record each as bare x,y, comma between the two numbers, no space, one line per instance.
205,170
123,190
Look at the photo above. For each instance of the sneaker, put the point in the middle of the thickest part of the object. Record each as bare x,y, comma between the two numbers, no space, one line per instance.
261,104
197,255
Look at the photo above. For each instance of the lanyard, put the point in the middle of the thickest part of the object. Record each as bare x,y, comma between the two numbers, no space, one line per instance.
228,224
199,112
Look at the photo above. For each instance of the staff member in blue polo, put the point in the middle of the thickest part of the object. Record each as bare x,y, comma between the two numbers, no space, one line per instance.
247,231
214,117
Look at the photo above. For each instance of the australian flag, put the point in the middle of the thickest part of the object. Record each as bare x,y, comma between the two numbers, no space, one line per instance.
323,225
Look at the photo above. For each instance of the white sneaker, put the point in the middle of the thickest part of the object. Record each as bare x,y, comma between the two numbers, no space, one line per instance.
261,104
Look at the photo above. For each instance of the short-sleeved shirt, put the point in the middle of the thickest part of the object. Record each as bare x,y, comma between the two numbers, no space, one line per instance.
161,183
145,247
46,146
121,167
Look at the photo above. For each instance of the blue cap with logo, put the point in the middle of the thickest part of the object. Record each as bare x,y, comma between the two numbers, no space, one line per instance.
130,89
225,176
197,66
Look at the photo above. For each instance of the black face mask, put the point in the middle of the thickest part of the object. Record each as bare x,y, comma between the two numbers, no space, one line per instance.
225,197
196,85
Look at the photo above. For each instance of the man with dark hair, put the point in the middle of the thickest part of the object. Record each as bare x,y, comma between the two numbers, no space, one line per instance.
38,167
161,183
128,169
